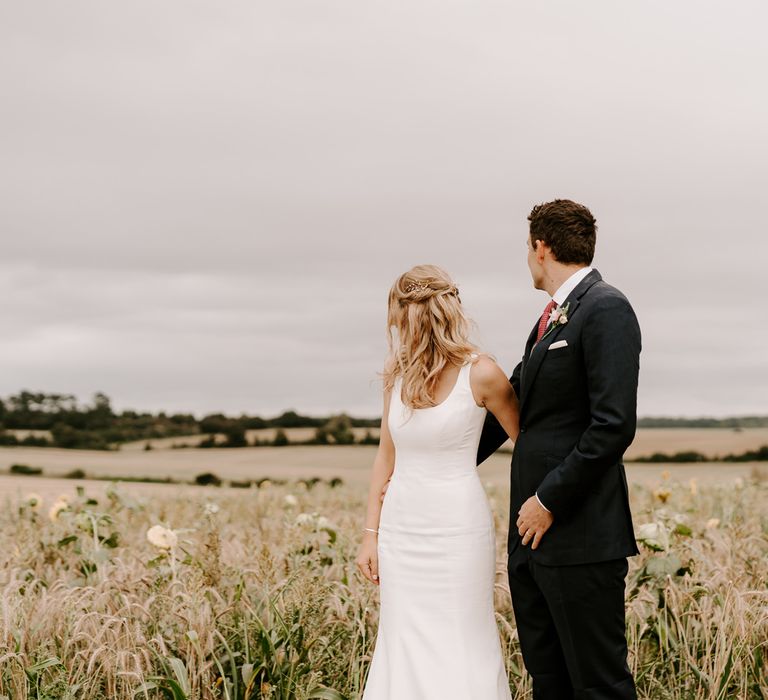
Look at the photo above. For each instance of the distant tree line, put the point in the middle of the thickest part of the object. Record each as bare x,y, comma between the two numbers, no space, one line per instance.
758,455
734,423
96,426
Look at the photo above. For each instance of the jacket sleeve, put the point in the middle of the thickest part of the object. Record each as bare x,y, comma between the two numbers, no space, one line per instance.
493,435
611,345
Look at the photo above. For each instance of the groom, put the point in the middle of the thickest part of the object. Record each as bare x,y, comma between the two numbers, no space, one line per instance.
570,525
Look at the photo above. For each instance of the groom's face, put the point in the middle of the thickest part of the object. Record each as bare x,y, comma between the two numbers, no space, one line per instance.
535,260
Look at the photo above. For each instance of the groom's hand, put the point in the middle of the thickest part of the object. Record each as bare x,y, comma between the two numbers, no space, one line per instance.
533,522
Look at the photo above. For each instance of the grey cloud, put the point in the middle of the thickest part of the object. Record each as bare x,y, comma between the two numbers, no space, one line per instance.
205,204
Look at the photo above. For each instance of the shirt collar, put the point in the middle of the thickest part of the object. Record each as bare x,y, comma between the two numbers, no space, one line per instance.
570,284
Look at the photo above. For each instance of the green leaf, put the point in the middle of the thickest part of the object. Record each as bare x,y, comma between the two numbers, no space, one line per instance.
42,665
112,541
322,693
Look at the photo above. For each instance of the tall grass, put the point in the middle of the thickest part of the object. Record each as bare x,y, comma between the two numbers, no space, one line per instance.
260,598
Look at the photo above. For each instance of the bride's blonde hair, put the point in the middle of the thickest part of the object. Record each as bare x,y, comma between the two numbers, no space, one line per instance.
426,330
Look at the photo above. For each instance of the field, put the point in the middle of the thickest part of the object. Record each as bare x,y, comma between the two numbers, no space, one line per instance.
709,441
259,596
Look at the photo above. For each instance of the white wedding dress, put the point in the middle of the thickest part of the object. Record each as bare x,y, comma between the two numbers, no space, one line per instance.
437,637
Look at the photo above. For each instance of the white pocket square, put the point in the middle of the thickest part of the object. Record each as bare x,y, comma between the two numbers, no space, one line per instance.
558,344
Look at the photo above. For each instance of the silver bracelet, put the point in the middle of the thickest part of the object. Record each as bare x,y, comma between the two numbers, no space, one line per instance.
370,529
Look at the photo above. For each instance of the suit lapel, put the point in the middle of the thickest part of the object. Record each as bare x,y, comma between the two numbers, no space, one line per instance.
535,357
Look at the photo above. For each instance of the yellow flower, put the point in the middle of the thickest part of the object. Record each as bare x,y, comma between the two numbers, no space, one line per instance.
57,508
662,494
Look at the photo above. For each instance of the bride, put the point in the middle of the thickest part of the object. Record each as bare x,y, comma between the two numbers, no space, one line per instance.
431,546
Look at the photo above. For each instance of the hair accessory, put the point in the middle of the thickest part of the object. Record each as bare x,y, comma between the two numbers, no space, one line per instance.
413,286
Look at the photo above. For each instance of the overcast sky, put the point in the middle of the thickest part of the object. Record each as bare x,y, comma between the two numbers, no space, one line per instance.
203,204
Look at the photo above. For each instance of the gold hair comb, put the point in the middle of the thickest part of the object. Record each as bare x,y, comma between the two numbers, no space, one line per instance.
413,286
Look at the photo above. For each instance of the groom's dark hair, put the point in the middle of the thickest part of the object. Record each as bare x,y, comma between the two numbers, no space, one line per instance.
567,227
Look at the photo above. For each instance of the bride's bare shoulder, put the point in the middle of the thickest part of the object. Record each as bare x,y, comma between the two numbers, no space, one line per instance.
486,373
483,363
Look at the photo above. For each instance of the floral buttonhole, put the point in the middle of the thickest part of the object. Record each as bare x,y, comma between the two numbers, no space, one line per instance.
557,317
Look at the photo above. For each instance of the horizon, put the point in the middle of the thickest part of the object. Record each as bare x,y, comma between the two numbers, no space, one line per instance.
359,416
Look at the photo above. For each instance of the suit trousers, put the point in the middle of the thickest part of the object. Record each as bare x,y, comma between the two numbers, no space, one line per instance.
571,626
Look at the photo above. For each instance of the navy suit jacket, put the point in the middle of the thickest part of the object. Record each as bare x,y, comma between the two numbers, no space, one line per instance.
578,415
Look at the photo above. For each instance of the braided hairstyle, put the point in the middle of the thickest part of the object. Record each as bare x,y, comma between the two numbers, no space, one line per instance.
426,331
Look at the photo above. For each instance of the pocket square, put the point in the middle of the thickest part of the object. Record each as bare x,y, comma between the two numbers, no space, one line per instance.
558,344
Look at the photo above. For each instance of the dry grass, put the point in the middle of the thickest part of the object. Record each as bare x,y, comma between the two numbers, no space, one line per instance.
254,604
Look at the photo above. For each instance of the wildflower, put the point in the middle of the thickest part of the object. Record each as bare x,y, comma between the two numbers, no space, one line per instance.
653,535
694,487
322,521
162,537
57,508
83,522
290,500
665,475
265,484
738,482
211,508
33,500
662,494
712,523
305,518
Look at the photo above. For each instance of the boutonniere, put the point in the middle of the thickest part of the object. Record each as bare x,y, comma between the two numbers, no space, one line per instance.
557,317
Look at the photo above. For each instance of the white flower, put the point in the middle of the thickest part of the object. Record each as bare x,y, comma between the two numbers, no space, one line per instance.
162,537
57,508
653,535
211,508
553,316
694,487
712,523
290,500
33,500
738,482
648,531
305,519
322,521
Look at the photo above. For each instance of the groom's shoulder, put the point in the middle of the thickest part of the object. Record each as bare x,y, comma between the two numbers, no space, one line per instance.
604,297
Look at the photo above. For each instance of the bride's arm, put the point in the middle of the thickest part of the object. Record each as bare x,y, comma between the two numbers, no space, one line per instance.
383,466
492,389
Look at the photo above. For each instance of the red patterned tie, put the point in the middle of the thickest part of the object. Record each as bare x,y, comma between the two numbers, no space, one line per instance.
544,321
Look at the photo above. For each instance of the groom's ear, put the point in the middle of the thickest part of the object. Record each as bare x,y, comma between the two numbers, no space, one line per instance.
540,248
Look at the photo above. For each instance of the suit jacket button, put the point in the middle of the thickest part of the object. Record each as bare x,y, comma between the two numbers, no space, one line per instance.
522,428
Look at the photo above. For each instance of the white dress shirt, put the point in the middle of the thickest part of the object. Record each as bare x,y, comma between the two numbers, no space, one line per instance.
559,298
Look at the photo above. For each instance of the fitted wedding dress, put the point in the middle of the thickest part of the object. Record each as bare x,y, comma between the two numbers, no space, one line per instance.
437,637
